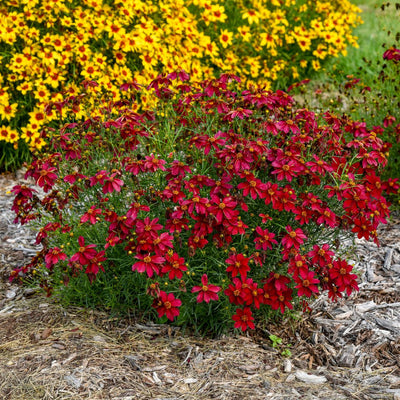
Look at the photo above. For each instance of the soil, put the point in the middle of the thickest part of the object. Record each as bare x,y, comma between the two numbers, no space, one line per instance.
344,350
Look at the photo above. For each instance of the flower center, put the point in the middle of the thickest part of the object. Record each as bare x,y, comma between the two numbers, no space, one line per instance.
147,259
167,305
175,265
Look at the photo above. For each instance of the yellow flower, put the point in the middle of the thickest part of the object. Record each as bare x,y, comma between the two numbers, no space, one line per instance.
304,43
25,87
41,93
37,116
225,38
320,51
217,13
28,134
9,135
316,65
244,32
252,16
8,111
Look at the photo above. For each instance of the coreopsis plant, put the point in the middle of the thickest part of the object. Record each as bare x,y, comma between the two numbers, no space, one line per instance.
48,47
218,208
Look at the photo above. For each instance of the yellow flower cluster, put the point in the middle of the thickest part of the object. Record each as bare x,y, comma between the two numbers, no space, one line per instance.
50,46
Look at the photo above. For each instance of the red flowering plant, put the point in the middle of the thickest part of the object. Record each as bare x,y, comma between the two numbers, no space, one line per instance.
216,209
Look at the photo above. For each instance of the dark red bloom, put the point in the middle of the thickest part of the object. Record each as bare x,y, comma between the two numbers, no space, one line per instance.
321,255
306,283
53,256
243,319
207,292
167,304
85,252
91,215
238,264
236,292
294,238
112,183
223,209
148,228
149,264
174,266
341,274
265,239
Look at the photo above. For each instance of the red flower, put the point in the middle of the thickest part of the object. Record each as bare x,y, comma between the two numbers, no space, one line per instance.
53,256
243,319
223,208
287,126
392,54
341,274
207,291
294,238
98,178
112,184
196,203
319,166
363,227
278,281
265,240
23,191
285,170
328,217
321,255
355,200
240,112
148,263
176,223
253,294
236,292
91,215
95,265
178,168
265,218
174,267
306,283
252,186
162,243
282,300
47,177
148,228
167,304
85,253
238,264
134,209
152,163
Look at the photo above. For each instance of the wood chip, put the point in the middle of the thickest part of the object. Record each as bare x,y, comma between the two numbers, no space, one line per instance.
310,379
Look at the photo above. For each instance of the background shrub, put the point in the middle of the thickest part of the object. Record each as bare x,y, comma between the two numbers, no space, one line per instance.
48,47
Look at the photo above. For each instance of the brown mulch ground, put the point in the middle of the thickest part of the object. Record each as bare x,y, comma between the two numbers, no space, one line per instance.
347,350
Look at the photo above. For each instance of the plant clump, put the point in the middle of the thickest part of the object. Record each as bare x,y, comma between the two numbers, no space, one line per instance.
219,208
